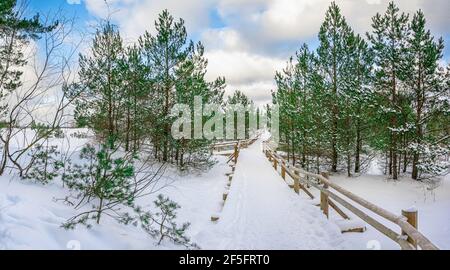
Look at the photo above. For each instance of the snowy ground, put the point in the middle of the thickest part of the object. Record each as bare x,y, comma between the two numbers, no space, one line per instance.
433,206
31,214
261,211
30,217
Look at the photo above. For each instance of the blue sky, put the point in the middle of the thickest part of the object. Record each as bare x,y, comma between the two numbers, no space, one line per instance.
245,40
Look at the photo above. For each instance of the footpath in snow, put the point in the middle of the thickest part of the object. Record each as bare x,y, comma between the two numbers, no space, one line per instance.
262,212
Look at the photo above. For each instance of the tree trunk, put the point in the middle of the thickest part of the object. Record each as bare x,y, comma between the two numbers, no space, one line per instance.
127,136
390,161
99,212
334,155
4,159
394,123
419,132
358,150
405,154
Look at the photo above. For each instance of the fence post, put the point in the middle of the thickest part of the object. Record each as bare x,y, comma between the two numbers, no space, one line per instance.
412,218
297,182
324,197
275,162
283,172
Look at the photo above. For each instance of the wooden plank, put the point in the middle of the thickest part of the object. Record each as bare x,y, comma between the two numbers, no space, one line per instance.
412,218
337,209
355,230
307,191
324,198
324,203
288,172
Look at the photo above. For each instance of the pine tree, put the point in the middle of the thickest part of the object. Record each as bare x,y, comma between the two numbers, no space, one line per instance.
104,181
101,82
359,96
137,91
286,99
424,80
305,61
162,224
240,98
334,56
164,53
191,84
389,43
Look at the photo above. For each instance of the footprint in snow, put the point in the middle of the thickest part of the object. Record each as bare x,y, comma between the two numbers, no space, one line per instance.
13,199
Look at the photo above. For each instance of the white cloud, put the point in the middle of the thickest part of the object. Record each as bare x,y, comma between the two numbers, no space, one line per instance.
136,16
259,92
251,73
241,67
259,35
225,39
269,21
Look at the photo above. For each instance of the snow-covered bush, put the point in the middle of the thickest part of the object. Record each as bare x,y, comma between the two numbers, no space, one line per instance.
44,165
432,162
102,181
162,224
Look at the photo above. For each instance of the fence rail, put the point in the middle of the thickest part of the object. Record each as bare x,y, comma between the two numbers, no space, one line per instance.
408,238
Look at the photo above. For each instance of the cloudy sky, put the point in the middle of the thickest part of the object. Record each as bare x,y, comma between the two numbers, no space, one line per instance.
246,40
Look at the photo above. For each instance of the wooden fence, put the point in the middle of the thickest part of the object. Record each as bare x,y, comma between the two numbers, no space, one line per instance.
332,194
233,146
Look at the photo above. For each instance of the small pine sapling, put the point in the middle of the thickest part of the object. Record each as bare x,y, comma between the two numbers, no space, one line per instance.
162,224
103,181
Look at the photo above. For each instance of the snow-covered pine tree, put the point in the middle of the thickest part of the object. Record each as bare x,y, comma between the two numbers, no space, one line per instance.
389,43
163,53
136,95
334,59
178,69
359,98
302,77
162,223
239,97
191,83
426,82
286,98
103,183
99,105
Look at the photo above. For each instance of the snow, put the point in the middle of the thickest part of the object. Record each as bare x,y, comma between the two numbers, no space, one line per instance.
411,209
346,225
30,216
260,212
405,194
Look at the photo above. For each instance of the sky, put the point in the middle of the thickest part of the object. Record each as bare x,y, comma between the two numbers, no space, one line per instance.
246,41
